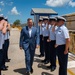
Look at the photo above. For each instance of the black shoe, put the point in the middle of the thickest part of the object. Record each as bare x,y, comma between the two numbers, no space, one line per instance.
0,72
46,62
4,69
7,60
53,68
41,55
49,67
31,70
27,73
6,66
43,61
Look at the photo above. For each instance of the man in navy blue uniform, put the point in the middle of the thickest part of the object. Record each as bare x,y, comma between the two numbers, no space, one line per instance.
29,40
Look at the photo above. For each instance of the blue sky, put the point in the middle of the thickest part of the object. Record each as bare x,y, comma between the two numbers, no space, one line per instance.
20,9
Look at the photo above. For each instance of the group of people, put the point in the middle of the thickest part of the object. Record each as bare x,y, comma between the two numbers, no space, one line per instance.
53,38
54,41
4,42
51,35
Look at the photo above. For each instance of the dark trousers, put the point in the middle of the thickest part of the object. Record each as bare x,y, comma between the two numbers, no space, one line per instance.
41,45
6,48
29,58
52,53
3,62
63,59
0,72
46,48
5,51
1,58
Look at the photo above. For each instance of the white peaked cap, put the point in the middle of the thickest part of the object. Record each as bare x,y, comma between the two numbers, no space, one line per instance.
61,18
53,18
6,18
1,15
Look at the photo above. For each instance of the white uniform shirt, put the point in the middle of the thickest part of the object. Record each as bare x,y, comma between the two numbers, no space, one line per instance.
7,35
1,40
49,26
51,33
41,30
45,31
62,34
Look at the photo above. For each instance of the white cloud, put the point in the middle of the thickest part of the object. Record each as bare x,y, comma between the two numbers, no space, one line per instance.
59,3
2,3
14,11
71,3
10,3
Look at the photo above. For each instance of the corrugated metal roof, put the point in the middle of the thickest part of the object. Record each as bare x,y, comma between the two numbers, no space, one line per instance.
42,11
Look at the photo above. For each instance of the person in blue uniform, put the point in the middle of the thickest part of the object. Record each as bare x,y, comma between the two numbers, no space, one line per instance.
45,37
1,43
2,32
62,45
4,67
6,38
52,40
41,37
5,46
29,40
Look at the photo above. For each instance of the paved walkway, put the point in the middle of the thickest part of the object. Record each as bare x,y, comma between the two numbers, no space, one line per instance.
17,63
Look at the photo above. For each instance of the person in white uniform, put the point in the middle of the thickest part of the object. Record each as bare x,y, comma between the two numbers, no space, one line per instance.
41,37
45,37
5,46
52,40
62,45
6,37
2,32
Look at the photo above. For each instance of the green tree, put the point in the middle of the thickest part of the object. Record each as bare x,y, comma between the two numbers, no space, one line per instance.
16,23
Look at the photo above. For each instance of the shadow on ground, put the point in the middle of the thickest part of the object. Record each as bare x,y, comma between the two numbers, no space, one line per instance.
37,60
45,73
41,65
21,71
36,55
